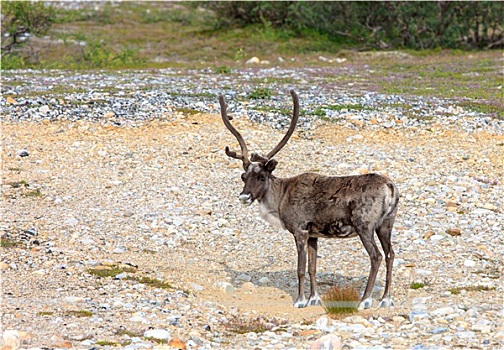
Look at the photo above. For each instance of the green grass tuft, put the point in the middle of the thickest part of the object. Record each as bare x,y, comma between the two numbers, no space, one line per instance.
222,70
341,300
417,285
260,94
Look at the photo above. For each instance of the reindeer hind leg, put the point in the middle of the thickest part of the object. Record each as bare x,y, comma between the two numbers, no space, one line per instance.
366,235
384,233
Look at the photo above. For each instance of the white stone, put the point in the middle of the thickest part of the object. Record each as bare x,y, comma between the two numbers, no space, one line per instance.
197,287
139,318
158,333
483,326
243,278
264,280
417,315
226,287
71,221
465,334
248,286
321,323
253,60
327,342
469,263
12,339
436,238
443,311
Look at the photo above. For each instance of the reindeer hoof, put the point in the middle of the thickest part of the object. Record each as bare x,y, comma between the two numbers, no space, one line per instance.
301,303
366,304
386,302
314,300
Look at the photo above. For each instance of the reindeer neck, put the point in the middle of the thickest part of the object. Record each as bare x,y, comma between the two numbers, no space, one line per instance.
269,204
272,198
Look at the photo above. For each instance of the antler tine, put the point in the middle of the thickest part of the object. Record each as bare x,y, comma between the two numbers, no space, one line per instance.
295,117
225,118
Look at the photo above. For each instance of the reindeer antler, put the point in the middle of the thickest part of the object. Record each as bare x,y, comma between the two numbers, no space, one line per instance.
225,118
256,157
295,117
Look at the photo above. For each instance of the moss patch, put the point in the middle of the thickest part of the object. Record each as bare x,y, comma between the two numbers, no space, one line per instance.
260,324
78,313
151,282
417,285
457,290
110,271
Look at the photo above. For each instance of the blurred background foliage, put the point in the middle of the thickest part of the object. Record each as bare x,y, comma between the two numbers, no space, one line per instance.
375,24
113,34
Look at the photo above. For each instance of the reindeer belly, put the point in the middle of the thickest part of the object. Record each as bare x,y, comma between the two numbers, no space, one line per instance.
336,229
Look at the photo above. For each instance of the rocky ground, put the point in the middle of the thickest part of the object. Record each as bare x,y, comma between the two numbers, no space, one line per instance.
121,225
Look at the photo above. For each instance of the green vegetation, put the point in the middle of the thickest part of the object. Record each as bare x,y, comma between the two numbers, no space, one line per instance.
494,110
239,325
114,270
457,290
417,285
45,313
25,186
130,334
225,34
319,111
177,35
110,271
340,300
222,70
78,313
156,340
106,343
20,19
368,24
151,282
18,184
188,111
6,242
260,93
33,193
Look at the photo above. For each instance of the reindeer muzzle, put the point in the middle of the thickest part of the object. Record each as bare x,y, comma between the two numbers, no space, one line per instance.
245,199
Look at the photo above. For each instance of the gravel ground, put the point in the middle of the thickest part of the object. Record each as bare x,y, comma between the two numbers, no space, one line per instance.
125,173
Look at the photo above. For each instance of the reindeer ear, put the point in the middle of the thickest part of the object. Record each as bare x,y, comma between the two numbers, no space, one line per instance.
270,165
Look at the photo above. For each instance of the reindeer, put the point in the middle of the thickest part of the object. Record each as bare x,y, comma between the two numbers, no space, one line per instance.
313,206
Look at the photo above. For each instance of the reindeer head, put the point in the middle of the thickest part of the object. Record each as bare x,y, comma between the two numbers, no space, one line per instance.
258,170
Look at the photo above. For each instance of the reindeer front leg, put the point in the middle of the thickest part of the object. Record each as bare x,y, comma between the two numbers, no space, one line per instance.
301,238
313,299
